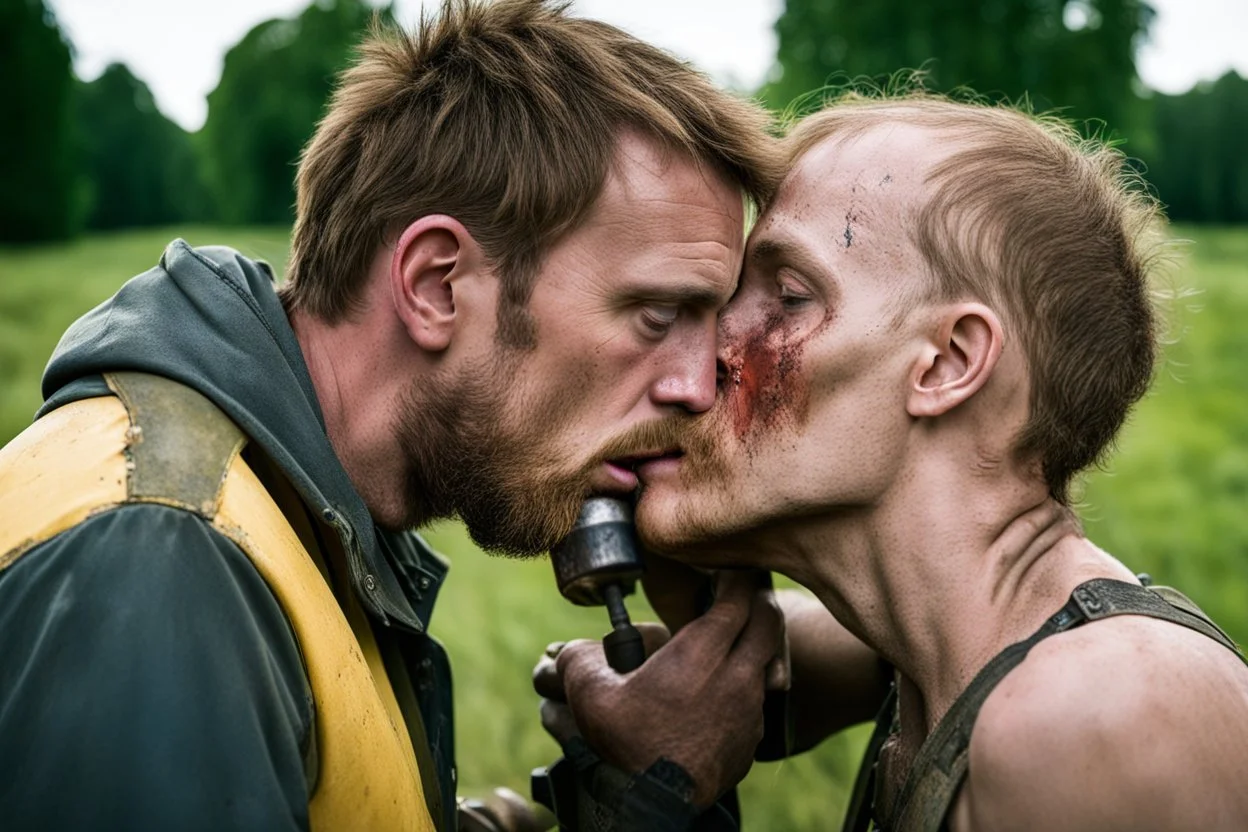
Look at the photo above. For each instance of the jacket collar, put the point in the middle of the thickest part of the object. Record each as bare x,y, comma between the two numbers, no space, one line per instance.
210,318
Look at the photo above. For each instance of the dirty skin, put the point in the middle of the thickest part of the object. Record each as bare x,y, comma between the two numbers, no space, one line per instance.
763,384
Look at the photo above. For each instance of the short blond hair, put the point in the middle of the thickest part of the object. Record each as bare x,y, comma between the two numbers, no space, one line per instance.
1054,231
506,117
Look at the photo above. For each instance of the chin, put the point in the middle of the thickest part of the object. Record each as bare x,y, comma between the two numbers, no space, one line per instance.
658,514
684,526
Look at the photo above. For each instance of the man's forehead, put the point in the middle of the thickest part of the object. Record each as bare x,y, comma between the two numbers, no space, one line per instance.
664,228
644,170
847,204
892,154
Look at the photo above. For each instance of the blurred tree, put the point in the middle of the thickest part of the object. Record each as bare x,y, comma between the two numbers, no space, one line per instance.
140,166
40,195
1198,163
1075,54
273,90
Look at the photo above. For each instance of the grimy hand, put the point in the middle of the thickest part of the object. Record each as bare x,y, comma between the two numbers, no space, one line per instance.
698,700
676,591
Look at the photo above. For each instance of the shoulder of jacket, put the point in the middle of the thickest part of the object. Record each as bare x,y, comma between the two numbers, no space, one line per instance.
158,441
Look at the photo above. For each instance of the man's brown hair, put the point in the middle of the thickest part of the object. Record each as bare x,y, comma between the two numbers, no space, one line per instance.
505,116
1054,231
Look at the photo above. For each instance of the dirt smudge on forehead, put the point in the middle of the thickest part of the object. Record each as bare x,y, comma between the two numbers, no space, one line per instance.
850,219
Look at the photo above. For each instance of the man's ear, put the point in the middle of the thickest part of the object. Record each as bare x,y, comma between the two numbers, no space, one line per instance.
958,361
429,255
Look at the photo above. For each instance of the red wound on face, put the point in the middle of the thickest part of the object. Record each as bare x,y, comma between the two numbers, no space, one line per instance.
762,384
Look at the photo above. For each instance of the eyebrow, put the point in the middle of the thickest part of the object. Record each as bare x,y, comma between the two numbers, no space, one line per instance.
769,249
684,295
792,251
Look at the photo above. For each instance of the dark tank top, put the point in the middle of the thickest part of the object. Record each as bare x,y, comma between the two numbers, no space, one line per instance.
939,769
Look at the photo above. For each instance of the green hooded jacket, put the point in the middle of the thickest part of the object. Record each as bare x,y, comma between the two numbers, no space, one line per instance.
149,679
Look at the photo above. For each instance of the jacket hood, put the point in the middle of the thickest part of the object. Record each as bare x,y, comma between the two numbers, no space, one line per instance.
210,319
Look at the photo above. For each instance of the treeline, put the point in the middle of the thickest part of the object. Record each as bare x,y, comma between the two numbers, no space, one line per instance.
1076,57
100,155
1199,160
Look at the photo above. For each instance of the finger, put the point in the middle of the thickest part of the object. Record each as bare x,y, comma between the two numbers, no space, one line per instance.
779,672
675,590
558,721
474,816
762,638
547,681
710,637
516,813
579,663
777,675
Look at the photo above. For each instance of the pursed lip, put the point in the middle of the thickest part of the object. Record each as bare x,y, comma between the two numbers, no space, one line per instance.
648,463
622,475
634,461
614,479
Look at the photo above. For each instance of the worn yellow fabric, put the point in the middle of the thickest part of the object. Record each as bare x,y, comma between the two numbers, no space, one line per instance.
368,775
60,470
73,463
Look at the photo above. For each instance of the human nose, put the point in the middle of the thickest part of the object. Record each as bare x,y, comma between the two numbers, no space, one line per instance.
690,379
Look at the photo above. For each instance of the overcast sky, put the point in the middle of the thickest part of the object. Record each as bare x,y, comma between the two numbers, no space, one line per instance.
177,46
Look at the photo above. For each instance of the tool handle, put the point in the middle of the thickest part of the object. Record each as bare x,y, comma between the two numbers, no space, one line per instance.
625,649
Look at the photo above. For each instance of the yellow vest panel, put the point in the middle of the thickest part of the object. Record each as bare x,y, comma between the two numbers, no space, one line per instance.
78,461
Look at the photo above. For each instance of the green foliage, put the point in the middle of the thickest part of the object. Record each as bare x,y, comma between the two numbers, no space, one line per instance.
1170,503
1198,163
44,289
273,89
140,169
140,166
1045,49
39,185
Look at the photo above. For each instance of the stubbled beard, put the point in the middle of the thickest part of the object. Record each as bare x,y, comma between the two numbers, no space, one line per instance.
692,526
514,491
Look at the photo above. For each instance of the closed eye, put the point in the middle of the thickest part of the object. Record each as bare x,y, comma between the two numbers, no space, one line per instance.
793,293
657,318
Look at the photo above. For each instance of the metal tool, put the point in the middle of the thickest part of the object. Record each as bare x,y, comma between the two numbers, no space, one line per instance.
598,564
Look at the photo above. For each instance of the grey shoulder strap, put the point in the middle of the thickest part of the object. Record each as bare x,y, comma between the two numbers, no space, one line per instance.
179,444
862,796
940,766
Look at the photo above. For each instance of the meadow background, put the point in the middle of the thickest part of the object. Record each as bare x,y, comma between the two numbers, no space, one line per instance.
1171,502
95,180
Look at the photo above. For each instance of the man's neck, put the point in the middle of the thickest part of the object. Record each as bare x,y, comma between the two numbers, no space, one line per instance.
945,572
358,391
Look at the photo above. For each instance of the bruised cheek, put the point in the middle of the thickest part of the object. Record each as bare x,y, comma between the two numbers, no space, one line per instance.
764,387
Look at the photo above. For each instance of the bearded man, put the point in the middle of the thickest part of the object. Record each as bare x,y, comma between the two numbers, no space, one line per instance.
943,318
514,231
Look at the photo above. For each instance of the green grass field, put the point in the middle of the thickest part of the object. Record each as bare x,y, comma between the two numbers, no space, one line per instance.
1171,503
